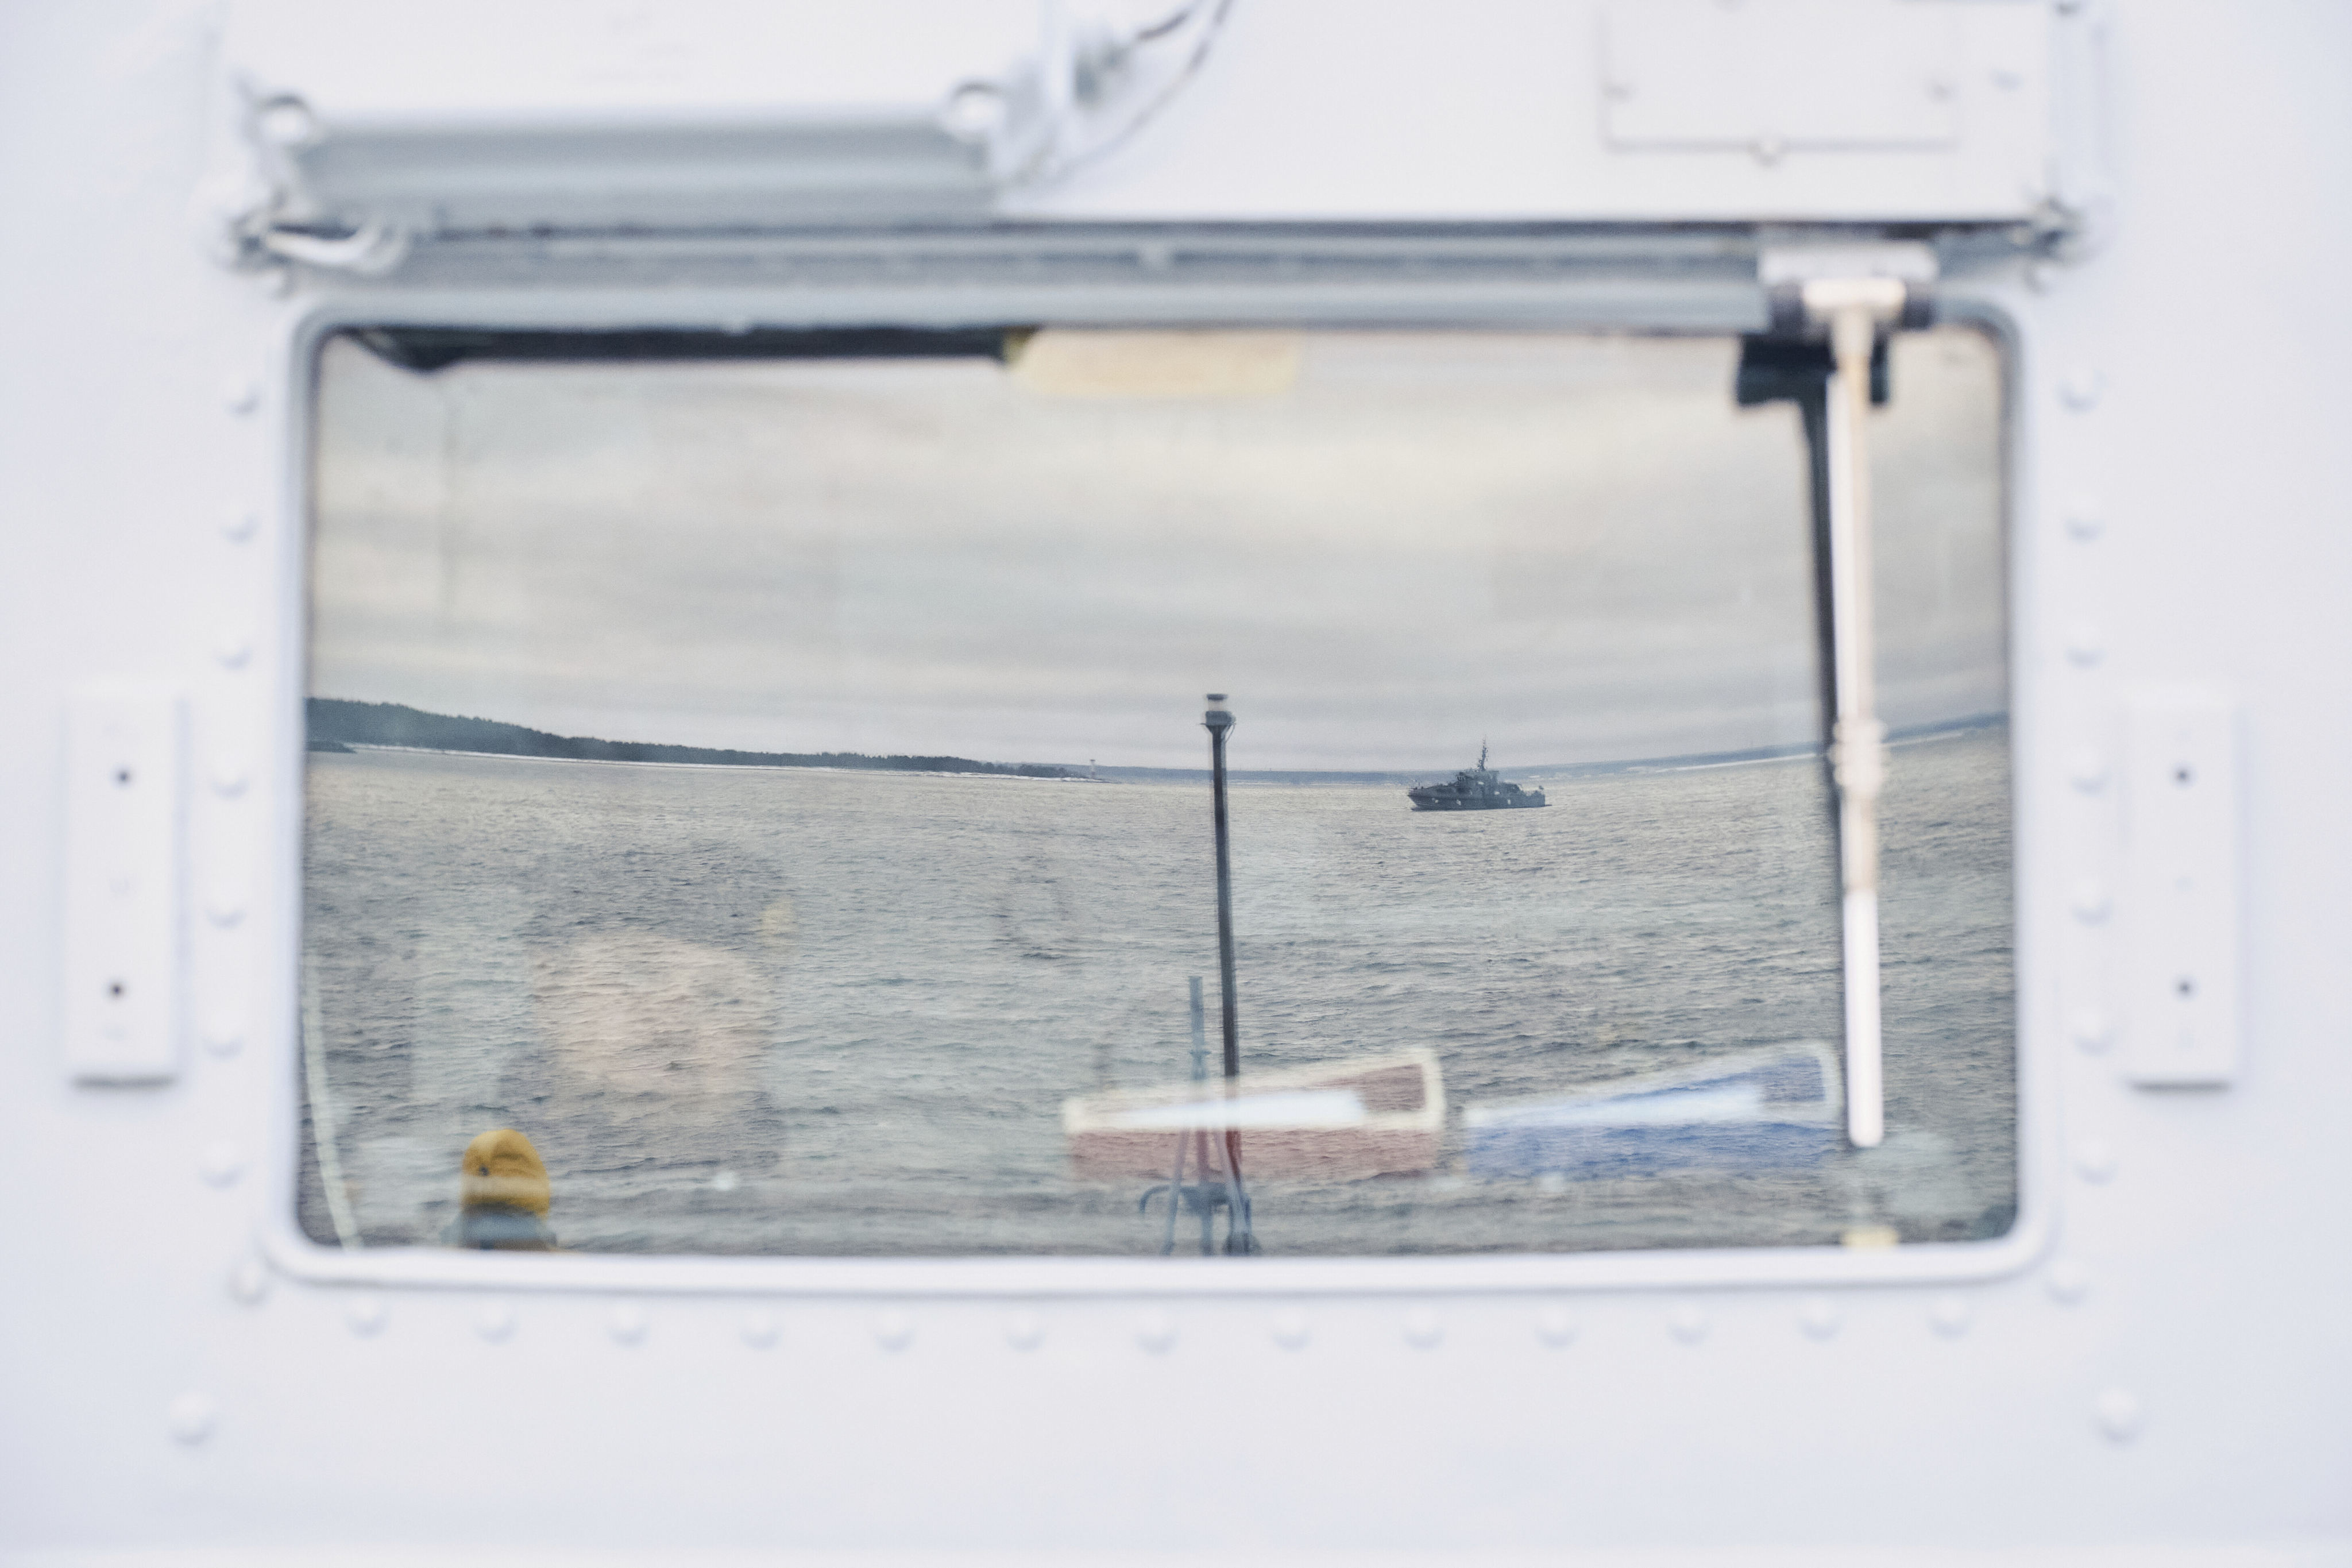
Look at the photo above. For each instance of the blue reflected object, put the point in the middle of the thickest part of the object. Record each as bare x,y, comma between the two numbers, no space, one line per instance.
1771,1109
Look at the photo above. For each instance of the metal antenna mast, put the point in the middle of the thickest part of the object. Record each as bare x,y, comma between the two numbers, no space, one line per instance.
1219,723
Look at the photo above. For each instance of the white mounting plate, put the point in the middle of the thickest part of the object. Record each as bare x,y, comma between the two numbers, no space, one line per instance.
538,115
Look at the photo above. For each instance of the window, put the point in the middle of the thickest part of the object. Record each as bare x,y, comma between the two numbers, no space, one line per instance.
767,773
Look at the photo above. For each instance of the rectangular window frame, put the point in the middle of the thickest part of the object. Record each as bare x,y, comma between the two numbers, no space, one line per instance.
1420,299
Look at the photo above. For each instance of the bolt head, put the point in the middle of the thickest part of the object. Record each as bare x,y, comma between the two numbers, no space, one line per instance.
2096,1160
2118,1415
221,1163
248,1282
2092,1032
2082,387
286,122
1686,1320
627,1324
191,1418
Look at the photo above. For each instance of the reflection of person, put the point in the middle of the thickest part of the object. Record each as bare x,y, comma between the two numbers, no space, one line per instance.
503,1195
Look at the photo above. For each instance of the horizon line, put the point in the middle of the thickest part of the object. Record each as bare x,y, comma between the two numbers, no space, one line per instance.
1962,725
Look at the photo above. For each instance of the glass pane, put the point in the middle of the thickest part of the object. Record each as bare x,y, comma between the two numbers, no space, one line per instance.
775,792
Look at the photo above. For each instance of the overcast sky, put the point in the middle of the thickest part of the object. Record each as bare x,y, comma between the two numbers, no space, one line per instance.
1386,546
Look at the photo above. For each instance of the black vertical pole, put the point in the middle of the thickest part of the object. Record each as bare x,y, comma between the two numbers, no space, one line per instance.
1218,723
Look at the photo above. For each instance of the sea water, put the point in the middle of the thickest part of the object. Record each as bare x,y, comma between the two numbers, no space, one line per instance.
815,1012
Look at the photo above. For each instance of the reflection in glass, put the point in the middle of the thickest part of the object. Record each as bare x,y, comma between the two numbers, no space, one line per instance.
773,791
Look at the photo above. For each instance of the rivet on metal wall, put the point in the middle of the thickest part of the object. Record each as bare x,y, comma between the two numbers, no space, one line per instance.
2067,1281
2089,770
241,524
759,1328
1422,1331
1555,1327
2094,1161
225,907
233,647
191,1418
224,1037
2082,386
220,1163
893,1329
494,1322
626,1324
248,1281
2090,904
365,1317
240,393
1155,1331
2091,1030
1818,1317
2118,1414
286,122
228,776
1291,1330
2085,518
1949,1315
1024,1331
2084,648
1686,1320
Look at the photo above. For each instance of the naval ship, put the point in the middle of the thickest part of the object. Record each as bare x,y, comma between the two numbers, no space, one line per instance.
1474,789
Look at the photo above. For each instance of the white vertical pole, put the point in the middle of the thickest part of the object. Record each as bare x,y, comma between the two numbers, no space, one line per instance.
1857,752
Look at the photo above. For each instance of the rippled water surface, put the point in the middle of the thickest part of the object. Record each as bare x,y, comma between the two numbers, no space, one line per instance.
812,1012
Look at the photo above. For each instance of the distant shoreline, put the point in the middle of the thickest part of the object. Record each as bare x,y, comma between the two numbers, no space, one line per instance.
338,725
367,749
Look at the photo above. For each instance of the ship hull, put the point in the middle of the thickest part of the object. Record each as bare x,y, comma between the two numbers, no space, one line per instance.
1478,804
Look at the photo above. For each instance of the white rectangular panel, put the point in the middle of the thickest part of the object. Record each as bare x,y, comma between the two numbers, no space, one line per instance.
2179,909
122,968
1781,74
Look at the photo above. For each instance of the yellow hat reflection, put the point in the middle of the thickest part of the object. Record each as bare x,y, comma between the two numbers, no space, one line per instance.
502,1170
